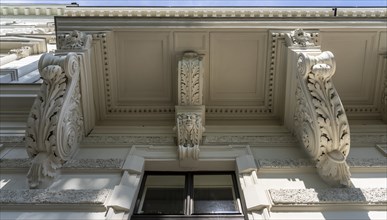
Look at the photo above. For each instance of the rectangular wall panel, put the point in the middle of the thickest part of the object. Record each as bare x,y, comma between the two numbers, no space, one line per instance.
237,68
143,68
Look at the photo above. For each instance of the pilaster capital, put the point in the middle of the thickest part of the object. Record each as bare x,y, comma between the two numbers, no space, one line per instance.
75,40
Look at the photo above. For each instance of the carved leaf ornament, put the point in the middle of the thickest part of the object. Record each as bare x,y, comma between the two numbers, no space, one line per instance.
320,118
190,129
55,123
190,76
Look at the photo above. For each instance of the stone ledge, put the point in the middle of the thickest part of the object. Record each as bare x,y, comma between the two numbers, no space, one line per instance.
128,140
285,163
332,195
306,163
43,196
79,164
249,139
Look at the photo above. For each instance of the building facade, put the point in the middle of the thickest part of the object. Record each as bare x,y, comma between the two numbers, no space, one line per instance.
179,113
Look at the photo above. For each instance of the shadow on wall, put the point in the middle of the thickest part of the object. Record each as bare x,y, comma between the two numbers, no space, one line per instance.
343,195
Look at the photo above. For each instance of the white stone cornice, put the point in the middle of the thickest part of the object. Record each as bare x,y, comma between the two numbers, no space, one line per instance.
55,124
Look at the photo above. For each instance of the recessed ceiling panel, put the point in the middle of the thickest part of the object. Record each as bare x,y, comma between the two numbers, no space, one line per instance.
143,68
237,69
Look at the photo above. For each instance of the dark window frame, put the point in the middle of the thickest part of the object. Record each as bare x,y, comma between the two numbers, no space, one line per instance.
189,198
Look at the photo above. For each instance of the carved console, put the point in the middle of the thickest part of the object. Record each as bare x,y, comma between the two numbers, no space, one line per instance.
74,40
320,120
55,124
190,111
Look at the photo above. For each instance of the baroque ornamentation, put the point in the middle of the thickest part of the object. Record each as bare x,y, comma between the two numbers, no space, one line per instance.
22,52
320,118
189,134
74,40
190,79
299,37
55,124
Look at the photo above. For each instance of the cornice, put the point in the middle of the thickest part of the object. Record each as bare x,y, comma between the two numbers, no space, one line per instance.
176,12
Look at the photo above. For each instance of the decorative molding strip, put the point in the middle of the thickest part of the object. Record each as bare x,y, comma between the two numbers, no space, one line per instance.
12,139
330,195
373,162
43,196
55,124
320,120
94,163
285,163
15,163
362,12
58,10
115,163
29,10
248,139
130,140
369,139
75,40
112,163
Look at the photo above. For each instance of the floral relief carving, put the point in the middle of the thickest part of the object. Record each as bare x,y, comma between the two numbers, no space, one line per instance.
190,79
74,40
299,37
320,118
55,123
189,134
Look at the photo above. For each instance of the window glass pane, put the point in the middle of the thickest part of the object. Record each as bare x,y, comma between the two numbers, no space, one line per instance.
163,195
214,194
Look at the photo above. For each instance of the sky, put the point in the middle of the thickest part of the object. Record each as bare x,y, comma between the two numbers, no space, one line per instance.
211,3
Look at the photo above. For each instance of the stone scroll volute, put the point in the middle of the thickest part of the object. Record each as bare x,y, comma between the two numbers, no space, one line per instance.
321,123
55,123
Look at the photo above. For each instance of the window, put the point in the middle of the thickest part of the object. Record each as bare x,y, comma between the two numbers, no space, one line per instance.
188,194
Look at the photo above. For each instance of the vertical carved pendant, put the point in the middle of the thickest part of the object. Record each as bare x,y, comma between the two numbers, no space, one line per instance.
320,118
55,124
190,79
190,111
189,136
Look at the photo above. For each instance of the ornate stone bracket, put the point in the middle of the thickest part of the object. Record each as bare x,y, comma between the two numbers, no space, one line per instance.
74,40
55,124
189,133
300,38
190,112
320,120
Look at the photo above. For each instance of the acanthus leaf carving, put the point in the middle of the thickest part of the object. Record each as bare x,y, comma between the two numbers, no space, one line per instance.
55,124
299,37
74,40
189,134
320,118
190,79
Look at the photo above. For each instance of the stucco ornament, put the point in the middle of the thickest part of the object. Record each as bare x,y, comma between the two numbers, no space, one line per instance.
190,79
22,52
190,111
55,123
299,37
74,40
321,123
189,134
